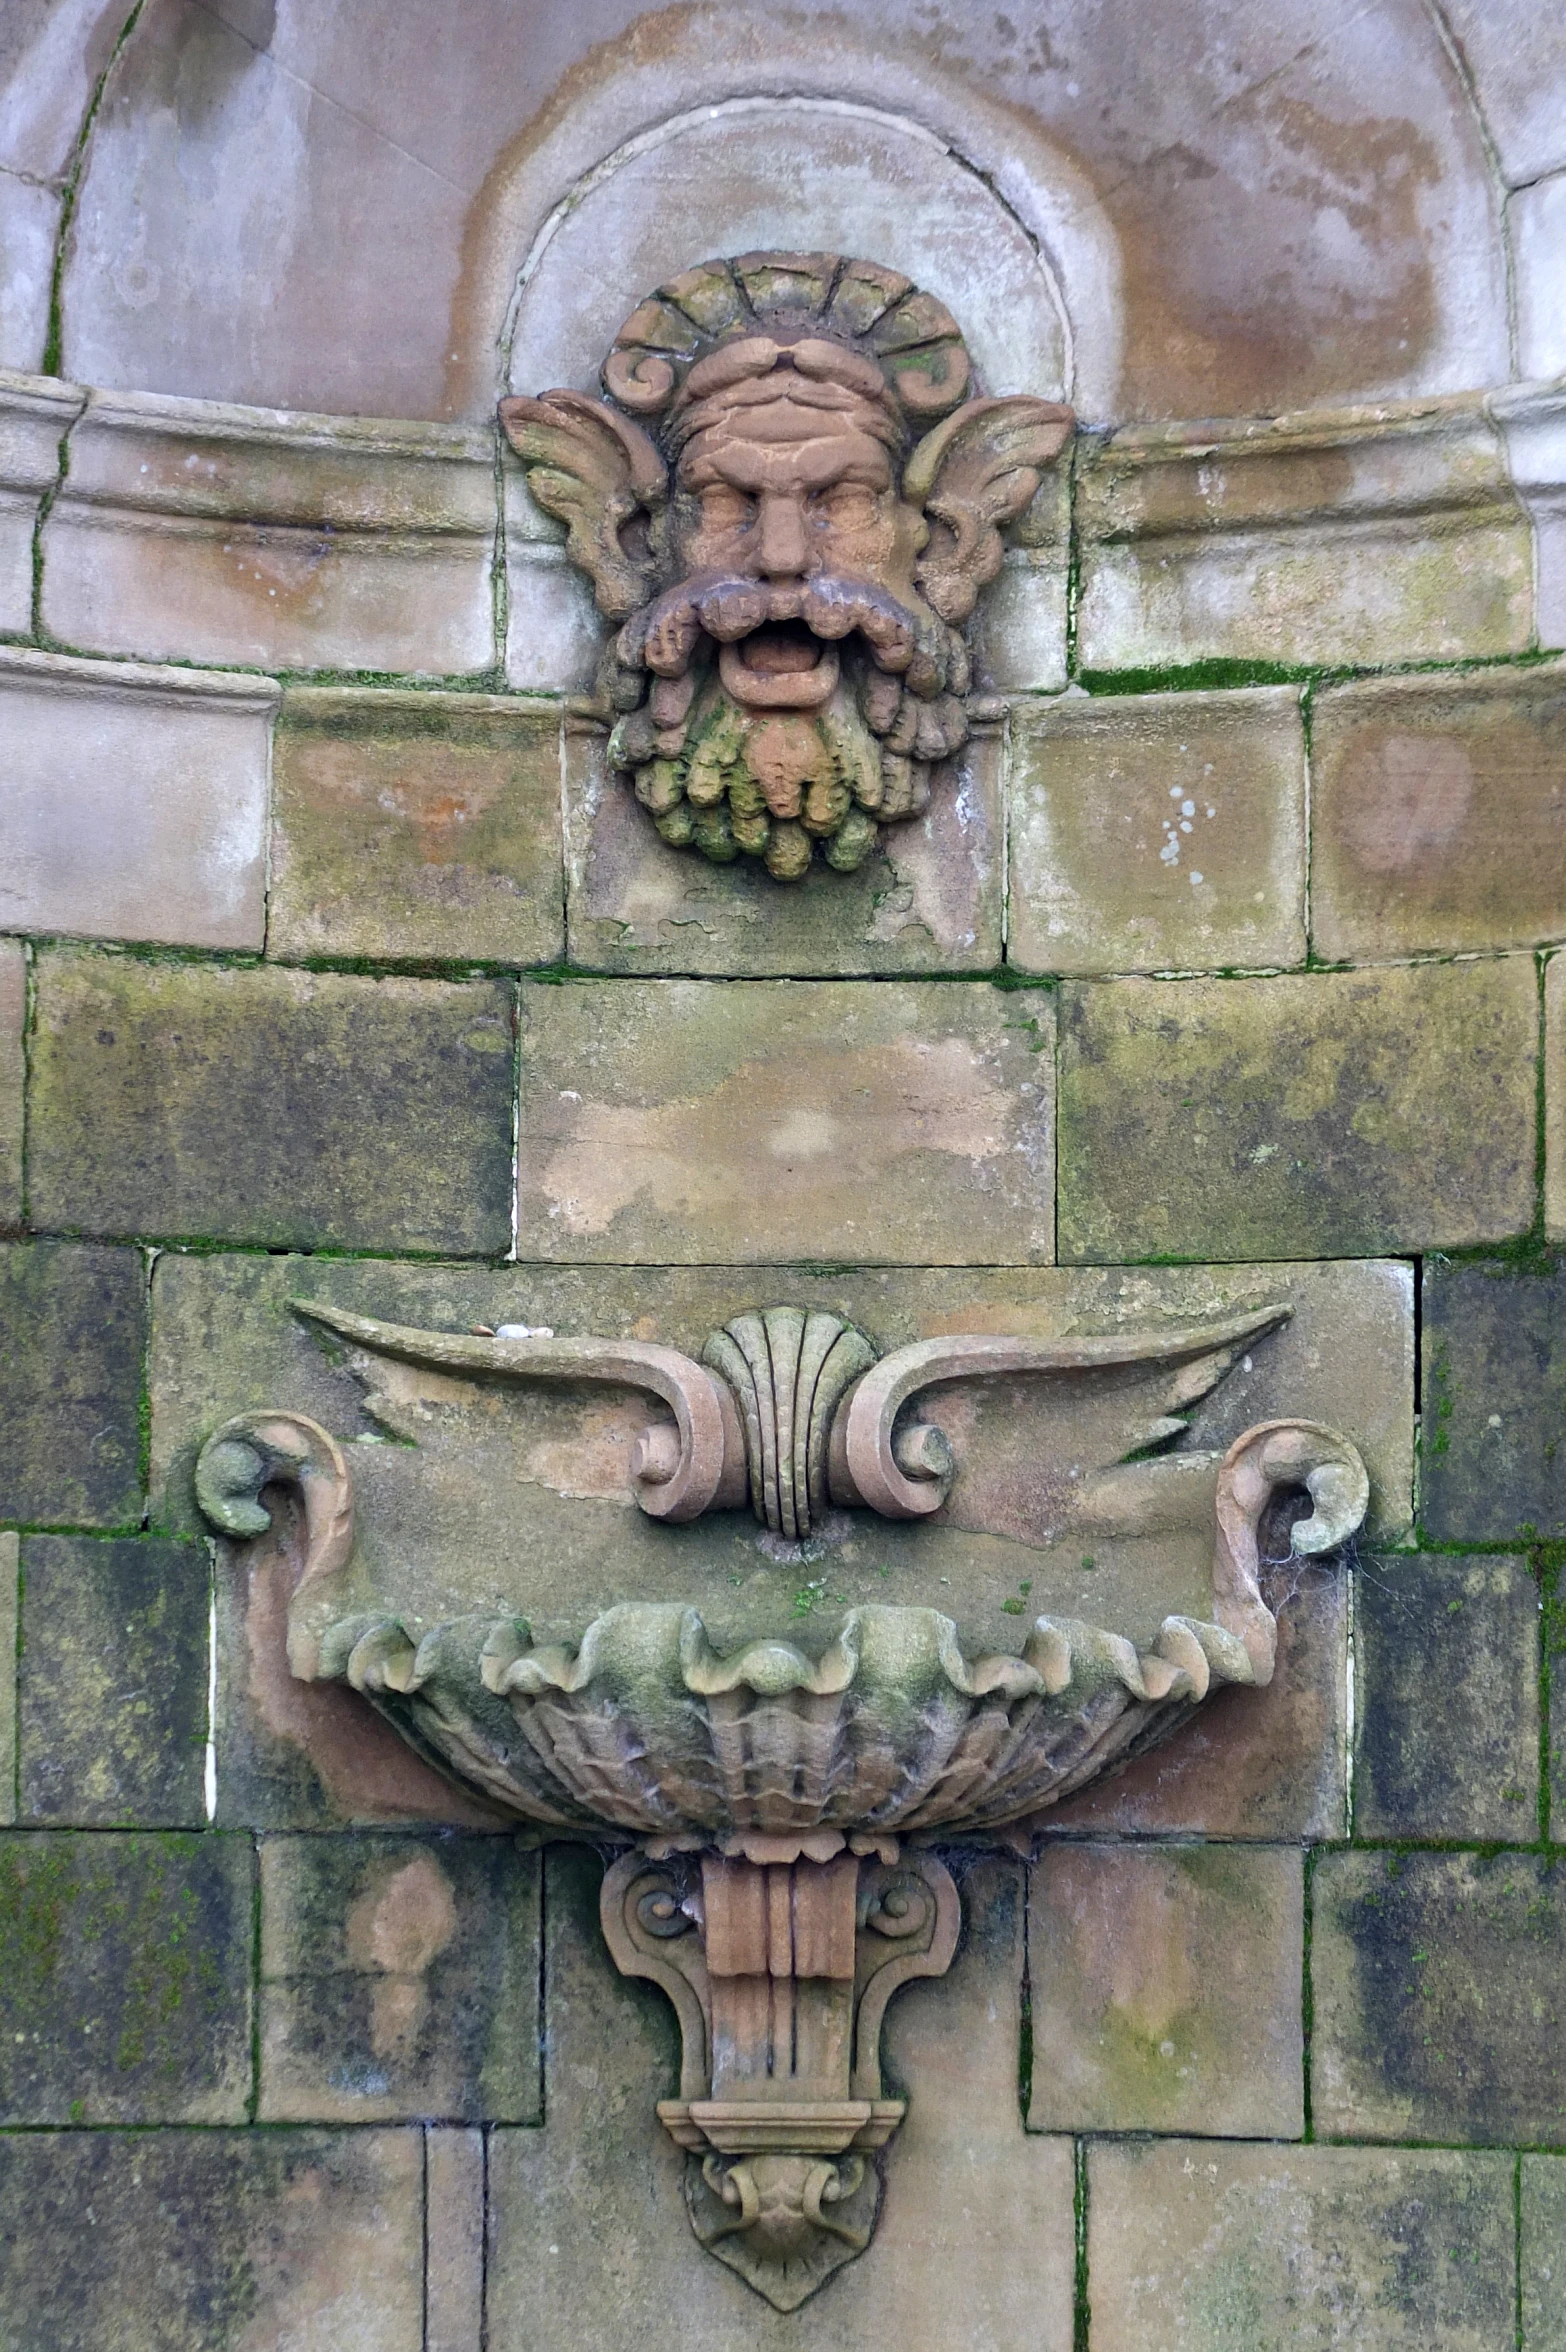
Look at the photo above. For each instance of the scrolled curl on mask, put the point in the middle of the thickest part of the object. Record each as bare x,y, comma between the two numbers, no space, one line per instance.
793,558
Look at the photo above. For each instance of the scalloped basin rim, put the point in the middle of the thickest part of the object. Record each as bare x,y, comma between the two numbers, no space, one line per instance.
645,1729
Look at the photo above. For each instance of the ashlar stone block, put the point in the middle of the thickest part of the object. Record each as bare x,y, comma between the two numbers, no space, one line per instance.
1537,218
1350,536
1299,2249
1467,1766
693,1121
112,1698
1439,1983
182,2241
1532,418
1251,1765
1158,832
133,800
10,1593
416,825
13,1077
456,2164
36,412
1555,1097
124,1977
1492,1467
975,2243
1166,1990
1438,813
399,1979
353,1113
75,1322
927,899
1544,2253
1328,1112
188,530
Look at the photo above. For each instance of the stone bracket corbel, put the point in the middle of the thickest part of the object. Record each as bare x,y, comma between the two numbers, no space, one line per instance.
779,1974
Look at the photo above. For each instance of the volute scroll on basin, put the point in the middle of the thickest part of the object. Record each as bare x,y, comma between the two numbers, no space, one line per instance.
776,1799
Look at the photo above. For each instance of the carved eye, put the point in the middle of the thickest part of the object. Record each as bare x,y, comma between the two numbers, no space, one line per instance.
723,508
846,506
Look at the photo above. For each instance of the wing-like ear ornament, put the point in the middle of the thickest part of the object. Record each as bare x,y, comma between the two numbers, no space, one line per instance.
973,475
595,471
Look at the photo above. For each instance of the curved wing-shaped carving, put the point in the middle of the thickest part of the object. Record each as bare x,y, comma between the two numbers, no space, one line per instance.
1279,1455
974,474
258,1450
697,1466
596,471
907,1474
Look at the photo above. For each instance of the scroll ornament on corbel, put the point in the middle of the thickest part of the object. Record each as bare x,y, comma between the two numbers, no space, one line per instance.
777,1800
789,504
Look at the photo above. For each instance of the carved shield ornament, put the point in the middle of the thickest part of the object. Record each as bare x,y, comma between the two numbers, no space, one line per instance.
789,504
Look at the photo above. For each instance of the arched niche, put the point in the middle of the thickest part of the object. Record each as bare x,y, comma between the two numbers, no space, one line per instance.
805,174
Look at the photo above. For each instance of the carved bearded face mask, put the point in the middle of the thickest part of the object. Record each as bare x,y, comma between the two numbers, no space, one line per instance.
792,559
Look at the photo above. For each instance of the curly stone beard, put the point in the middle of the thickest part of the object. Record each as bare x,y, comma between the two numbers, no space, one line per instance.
788,742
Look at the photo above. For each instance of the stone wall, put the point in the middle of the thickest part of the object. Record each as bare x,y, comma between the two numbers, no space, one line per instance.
330,942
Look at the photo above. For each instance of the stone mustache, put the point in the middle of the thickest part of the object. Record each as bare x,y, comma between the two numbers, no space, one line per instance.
776,1802
789,502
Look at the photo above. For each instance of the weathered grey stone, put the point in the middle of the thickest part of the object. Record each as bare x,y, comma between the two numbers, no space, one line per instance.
1329,1112
1555,1098
775,1120
124,1977
1532,419
1466,1766
353,1113
190,531
1251,1764
1439,1983
1537,217
1438,813
399,1978
456,2163
134,800
416,825
1166,1990
35,414
1362,536
1515,60
927,899
29,236
74,1317
13,1077
1158,832
10,1593
1299,2249
1491,1465
184,2241
1019,629
554,633
112,1682
975,2239
391,213
1543,2253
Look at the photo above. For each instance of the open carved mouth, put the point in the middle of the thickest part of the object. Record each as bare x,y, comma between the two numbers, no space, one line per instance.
780,666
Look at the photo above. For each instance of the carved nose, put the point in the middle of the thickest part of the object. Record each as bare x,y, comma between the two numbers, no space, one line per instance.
781,547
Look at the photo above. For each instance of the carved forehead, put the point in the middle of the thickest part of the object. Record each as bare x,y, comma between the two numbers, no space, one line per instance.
783,448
